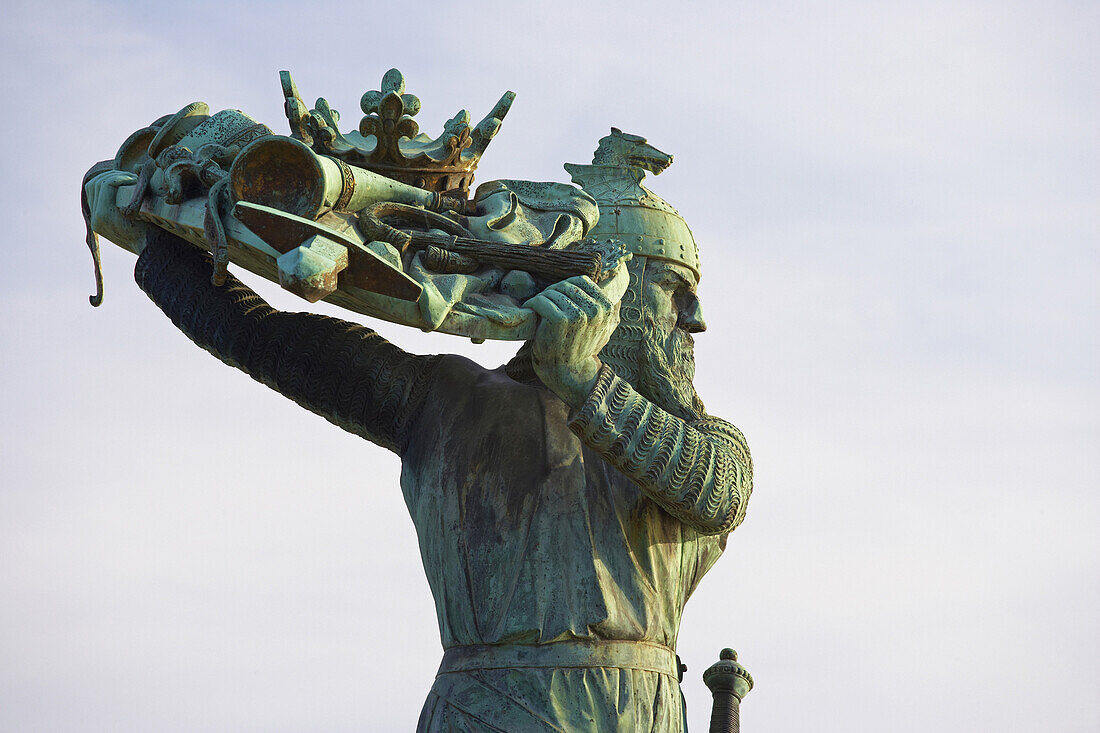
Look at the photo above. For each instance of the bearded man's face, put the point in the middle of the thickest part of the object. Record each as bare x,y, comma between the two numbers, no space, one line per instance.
663,359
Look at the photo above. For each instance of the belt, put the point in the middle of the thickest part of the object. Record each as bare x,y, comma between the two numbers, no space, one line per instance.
641,655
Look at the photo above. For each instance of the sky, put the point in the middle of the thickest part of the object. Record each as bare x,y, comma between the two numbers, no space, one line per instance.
898,213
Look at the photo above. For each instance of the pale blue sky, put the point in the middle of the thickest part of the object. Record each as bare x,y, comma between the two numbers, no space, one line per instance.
898,209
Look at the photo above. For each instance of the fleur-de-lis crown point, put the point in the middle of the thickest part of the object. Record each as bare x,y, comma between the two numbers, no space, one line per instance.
393,82
389,140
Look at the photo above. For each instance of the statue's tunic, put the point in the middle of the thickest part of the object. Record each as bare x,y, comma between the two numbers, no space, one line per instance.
547,538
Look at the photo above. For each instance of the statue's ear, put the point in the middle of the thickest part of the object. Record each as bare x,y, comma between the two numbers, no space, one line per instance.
616,131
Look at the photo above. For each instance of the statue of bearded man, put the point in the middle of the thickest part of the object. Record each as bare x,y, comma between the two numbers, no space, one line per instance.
566,504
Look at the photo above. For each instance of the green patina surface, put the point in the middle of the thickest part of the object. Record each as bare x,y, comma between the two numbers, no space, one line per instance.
568,503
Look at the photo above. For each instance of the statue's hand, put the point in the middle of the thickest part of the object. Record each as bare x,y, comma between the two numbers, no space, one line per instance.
106,218
576,319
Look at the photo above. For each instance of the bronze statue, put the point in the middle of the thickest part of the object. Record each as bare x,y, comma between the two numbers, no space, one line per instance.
568,503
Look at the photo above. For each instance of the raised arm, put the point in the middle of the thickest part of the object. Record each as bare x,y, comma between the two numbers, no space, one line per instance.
700,472
342,371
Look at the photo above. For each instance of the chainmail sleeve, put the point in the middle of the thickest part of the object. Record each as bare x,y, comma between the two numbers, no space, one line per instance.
342,371
699,472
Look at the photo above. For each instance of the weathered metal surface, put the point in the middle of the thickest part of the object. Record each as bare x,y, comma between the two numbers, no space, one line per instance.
510,226
365,269
369,272
310,269
728,682
284,173
178,126
396,302
550,264
629,212
443,260
566,506
186,220
135,150
389,140
282,230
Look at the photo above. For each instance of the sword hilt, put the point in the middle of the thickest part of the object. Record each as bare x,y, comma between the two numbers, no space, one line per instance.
729,682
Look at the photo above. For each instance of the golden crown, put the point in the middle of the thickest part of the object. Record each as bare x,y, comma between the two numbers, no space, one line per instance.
389,141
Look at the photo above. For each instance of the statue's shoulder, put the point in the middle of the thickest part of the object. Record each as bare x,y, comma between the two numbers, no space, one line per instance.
456,376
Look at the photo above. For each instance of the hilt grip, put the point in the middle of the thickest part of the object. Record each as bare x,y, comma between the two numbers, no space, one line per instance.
725,715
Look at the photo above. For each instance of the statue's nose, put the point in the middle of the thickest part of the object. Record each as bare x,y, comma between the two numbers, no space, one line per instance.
691,318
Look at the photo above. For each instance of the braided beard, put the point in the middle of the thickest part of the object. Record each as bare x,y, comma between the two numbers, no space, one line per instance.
660,368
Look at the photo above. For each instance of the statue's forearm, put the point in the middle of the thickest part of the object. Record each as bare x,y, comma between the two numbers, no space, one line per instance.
700,472
344,372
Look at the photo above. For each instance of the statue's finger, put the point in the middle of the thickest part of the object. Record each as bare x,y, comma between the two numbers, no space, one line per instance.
89,194
615,287
120,178
112,178
588,305
565,304
91,188
107,179
546,309
588,286
98,200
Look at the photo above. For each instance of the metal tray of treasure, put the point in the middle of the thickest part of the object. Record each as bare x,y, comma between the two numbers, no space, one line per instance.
379,221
